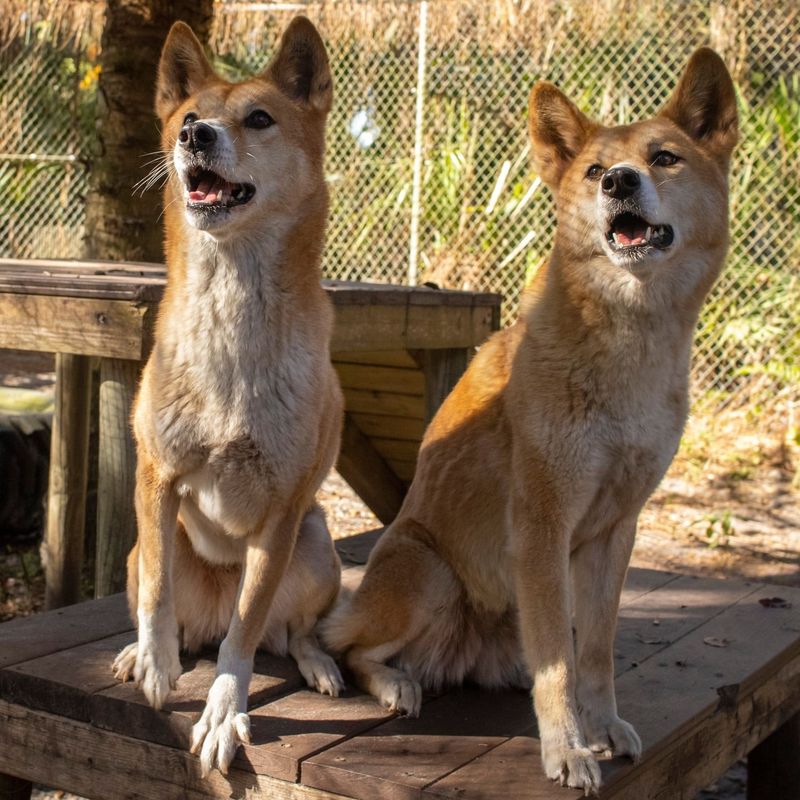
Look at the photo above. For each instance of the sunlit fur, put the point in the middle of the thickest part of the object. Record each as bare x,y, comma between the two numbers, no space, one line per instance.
238,416
531,477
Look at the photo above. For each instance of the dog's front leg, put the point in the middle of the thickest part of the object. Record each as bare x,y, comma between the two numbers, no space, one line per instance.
224,724
598,571
157,666
541,543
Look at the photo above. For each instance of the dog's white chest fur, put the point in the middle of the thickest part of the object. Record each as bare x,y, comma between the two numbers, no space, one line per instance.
243,376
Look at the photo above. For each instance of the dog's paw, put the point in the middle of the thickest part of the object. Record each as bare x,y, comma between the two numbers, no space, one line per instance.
221,728
158,666
125,662
321,673
575,767
400,694
611,736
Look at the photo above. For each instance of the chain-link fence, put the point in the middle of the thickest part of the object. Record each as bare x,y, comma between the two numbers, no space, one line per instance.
428,156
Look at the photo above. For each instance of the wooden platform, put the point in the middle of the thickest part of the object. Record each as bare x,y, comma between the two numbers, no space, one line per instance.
398,351
705,671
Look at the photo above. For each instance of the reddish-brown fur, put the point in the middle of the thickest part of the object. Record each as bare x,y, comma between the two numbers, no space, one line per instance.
522,513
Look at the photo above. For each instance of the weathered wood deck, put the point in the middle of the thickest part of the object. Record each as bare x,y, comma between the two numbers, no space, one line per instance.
398,351
698,706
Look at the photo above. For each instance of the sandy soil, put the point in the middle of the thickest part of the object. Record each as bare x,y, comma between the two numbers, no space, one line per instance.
728,506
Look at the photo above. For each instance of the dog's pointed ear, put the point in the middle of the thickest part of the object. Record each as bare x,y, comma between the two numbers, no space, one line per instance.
183,69
300,67
704,103
558,131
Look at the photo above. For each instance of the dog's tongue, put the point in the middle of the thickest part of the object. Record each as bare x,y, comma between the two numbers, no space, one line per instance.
630,232
208,191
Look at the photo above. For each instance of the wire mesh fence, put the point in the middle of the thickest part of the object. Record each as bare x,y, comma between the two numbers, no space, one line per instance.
443,188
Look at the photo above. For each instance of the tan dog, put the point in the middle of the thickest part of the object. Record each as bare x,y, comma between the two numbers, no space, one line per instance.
533,473
239,413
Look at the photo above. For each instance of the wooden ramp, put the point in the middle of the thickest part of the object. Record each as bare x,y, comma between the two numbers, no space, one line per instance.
705,670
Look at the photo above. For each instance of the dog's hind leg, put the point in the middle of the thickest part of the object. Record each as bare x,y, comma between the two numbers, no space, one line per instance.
388,611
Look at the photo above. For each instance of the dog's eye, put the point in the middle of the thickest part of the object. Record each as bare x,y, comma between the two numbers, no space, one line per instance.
663,158
259,119
594,172
190,118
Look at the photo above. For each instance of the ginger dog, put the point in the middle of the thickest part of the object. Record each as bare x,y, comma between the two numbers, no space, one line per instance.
239,412
522,514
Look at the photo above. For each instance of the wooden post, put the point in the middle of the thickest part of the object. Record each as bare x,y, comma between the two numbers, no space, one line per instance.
442,369
116,479
66,500
364,469
12,788
773,768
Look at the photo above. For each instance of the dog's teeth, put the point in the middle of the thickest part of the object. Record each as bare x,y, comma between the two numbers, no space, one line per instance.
614,237
648,234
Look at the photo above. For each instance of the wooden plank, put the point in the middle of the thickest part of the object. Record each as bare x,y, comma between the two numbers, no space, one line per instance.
442,370
69,469
386,327
773,767
389,427
80,287
363,401
105,328
386,358
399,758
116,475
678,607
122,708
370,476
39,635
287,731
403,469
640,581
698,708
356,549
396,449
80,758
99,266
365,293
62,682
387,379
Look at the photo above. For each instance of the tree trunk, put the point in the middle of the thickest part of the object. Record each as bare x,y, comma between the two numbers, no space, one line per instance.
121,224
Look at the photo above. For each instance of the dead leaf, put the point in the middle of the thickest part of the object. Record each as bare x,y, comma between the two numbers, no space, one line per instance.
713,641
774,602
644,640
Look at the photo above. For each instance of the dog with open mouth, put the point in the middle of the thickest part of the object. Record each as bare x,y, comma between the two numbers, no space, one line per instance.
521,517
239,413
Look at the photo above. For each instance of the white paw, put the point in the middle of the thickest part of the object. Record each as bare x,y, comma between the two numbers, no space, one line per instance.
611,736
322,674
158,665
125,662
400,694
575,767
222,727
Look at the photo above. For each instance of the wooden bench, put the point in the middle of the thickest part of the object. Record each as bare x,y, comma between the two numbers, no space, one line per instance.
705,671
398,351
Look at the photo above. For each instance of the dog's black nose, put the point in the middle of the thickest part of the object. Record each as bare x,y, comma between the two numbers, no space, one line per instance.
620,182
197,136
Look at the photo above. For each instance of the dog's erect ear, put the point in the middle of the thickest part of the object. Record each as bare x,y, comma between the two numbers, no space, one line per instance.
558,131
704,103
300,67
183,69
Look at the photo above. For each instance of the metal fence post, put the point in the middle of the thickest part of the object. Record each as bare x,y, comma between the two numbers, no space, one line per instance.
413,248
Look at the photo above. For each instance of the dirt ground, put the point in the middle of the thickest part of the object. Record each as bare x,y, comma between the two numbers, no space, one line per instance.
729,506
